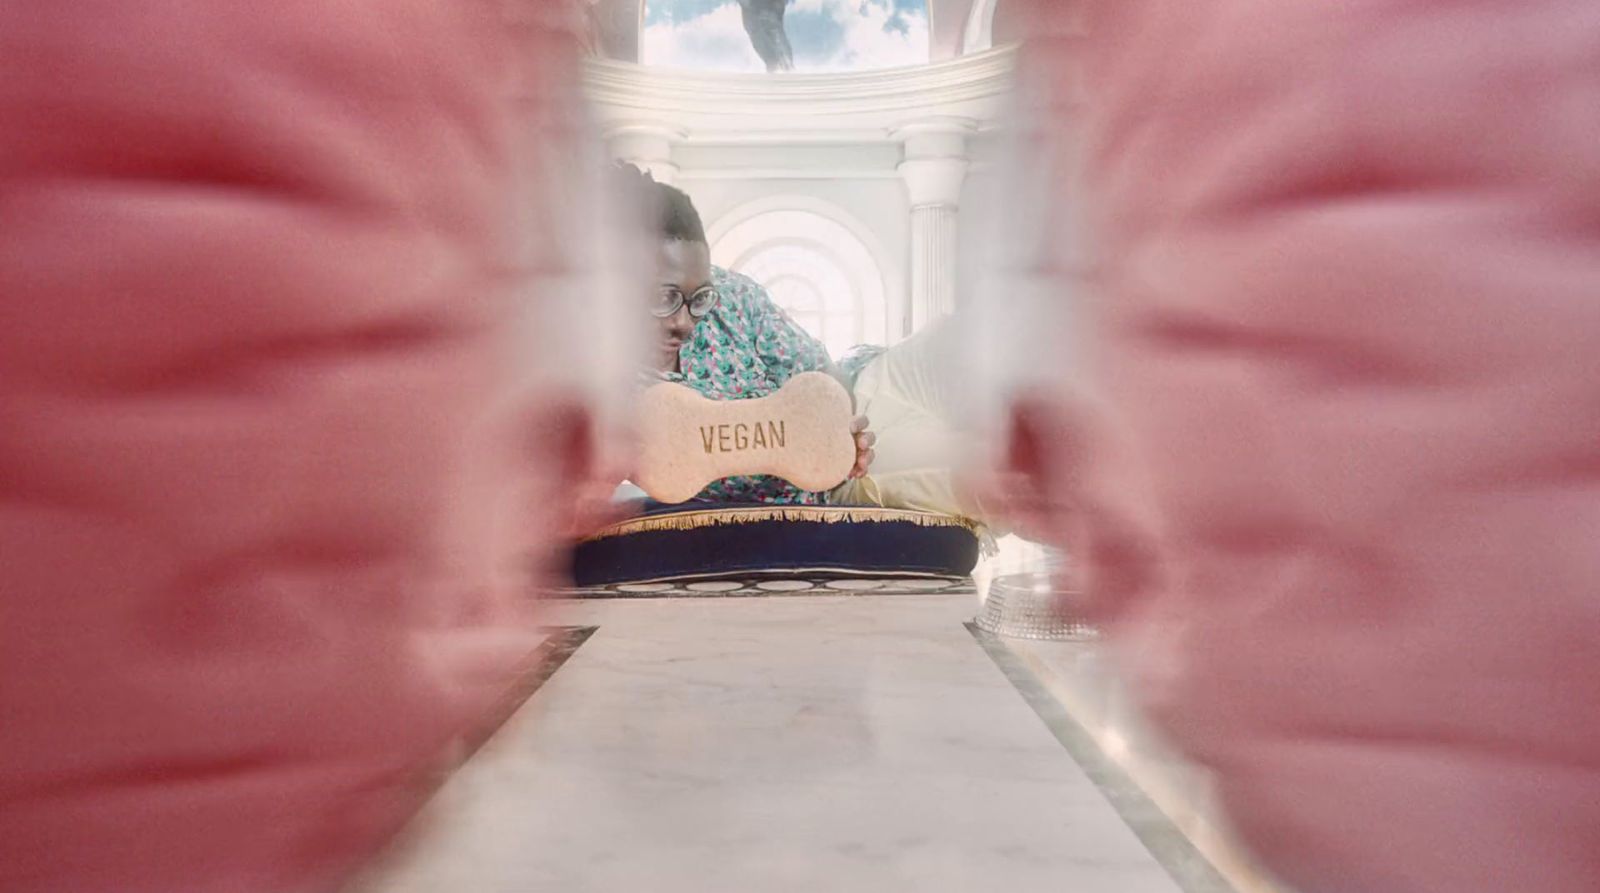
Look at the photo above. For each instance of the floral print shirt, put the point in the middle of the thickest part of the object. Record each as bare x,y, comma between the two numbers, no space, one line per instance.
745,348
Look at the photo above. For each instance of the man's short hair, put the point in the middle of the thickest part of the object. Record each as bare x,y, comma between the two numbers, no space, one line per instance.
670,208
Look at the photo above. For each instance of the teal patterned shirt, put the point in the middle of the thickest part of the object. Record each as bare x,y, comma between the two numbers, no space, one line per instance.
748,347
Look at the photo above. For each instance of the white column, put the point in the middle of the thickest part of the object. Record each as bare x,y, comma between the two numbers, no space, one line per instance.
647,146
933,270
934,169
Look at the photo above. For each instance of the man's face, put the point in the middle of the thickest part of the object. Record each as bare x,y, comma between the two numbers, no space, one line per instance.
685,266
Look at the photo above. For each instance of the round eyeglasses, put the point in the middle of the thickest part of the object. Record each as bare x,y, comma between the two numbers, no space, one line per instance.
669,299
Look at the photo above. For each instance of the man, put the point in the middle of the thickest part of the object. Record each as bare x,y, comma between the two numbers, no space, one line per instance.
721,334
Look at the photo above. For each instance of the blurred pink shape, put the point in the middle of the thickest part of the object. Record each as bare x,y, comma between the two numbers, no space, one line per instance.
1344,309
269,467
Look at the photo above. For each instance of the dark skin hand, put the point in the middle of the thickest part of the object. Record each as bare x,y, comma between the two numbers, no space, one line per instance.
686,266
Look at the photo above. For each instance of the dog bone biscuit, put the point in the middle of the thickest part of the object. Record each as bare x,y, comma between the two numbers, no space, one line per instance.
801,433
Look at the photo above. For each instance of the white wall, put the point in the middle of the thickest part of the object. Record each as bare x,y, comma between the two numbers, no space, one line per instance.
838,144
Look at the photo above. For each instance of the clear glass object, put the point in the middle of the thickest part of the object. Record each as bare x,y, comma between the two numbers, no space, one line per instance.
1021,590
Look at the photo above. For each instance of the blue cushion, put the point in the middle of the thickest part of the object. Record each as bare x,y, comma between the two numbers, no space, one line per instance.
708,541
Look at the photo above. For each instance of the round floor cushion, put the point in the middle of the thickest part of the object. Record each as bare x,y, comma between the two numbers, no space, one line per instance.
683,543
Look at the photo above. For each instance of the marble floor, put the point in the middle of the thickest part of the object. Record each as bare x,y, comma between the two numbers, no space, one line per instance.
866,742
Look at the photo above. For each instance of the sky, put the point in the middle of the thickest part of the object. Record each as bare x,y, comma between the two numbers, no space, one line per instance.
827,35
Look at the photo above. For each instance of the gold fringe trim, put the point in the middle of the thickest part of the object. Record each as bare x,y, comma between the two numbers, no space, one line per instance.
812,514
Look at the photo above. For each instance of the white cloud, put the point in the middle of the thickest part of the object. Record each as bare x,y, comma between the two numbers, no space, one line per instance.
714,41
868,43
717,41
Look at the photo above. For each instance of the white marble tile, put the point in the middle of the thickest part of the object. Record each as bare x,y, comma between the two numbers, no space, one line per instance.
1077,675
805,743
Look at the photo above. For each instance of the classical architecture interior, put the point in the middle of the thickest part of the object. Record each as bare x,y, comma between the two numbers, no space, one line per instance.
838,184
820,697
753,446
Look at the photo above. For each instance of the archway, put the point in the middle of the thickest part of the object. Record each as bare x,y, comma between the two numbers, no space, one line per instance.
820,271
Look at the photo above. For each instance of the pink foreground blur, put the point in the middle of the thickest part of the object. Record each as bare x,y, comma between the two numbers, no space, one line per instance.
264,478
1346,314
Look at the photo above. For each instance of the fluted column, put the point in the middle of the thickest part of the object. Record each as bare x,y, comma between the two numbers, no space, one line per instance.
934,169
933,268
647,146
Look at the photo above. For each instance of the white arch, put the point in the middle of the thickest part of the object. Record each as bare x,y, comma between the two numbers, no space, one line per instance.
841,247
802,218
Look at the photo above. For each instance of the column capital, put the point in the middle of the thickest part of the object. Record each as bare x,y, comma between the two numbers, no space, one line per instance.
935,165
648,145
941,136
934,182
